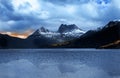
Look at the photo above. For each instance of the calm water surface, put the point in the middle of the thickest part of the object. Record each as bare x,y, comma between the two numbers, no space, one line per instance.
59,63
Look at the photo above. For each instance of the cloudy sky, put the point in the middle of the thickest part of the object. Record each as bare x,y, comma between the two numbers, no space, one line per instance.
26,15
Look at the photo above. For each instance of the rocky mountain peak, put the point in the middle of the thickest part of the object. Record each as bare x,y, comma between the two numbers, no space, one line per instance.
112,23
42,29
66,28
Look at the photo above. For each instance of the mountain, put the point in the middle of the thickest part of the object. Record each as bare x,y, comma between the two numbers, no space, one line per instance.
7,41
70,31
44,38
67,28
106,37
67,36
64,31
40,31
43,32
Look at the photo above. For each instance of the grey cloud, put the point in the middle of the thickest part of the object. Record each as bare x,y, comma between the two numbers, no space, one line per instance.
64,2
85,13
6,4
22,22
5,9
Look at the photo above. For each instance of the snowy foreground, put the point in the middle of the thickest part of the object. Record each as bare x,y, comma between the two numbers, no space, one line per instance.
59,63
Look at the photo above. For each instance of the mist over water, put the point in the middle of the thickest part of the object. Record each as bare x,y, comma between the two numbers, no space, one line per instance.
60,63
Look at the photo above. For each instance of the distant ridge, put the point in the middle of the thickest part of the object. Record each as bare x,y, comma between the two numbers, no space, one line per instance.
67,36
106,37
42,37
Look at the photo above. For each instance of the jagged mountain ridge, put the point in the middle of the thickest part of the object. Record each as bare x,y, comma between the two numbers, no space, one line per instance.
44,37
105,37
64,30
41,38
67,28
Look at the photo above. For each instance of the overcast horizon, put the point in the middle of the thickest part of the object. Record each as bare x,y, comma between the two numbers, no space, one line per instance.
22,16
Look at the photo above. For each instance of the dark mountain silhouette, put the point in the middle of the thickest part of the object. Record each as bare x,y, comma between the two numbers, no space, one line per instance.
101,38
45,38
7,41
67,36
41,38
67,28
70,32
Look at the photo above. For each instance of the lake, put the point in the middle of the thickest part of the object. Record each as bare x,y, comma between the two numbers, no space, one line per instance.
60,63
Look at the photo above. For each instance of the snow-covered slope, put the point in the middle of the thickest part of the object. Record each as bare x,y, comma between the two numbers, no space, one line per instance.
65,32
74,33
45,32
70,30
